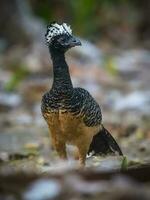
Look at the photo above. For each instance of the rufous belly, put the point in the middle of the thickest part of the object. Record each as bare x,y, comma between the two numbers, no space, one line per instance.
69,128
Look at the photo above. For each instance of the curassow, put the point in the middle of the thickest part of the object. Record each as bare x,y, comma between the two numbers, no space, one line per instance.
72,114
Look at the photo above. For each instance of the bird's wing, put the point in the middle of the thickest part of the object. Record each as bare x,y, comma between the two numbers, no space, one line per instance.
103,142
89,108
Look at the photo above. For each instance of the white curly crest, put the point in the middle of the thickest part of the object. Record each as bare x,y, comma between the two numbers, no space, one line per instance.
55,29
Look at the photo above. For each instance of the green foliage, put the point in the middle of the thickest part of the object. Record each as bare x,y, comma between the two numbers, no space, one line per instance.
88,17
18,75
83,13
110,65
124,164
42,9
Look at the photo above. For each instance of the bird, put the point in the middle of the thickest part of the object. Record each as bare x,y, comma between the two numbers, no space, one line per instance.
72,114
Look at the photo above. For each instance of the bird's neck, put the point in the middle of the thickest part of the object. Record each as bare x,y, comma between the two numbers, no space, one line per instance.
62,81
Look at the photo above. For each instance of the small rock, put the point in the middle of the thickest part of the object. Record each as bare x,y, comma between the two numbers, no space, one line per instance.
4,157
32,146
135,100
42,190
9,101
23,119
105,164
40,161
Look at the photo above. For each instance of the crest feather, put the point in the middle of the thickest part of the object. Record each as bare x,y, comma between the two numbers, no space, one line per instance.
55,29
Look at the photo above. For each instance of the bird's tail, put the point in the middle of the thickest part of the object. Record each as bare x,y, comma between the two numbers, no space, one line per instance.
103,143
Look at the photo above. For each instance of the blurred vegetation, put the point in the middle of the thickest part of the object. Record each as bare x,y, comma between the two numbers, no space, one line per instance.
94,18
19,73
124,164
119,21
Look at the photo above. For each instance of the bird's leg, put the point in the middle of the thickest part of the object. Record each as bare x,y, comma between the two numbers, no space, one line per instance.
82,155
58,145
83,149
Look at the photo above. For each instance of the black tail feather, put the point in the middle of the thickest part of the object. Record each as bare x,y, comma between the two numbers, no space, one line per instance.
104,143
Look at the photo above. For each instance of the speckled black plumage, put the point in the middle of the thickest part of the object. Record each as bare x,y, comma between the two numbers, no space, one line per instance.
63,96
78,102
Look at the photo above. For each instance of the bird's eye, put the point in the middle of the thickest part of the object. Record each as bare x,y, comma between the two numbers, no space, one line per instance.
62,40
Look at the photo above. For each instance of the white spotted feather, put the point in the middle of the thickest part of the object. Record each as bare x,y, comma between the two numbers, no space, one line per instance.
55,29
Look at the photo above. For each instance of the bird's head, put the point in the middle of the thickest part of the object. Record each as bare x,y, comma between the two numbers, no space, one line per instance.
59,37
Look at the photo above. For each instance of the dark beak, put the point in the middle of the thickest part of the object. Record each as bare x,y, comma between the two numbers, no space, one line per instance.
73,41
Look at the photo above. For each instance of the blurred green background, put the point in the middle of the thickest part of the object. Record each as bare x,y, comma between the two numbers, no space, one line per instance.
95,20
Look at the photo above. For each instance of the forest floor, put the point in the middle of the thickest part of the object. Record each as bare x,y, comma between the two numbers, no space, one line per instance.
119,83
